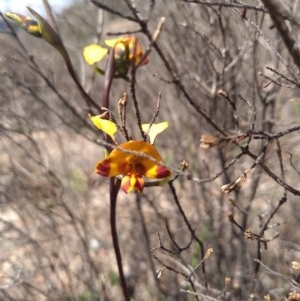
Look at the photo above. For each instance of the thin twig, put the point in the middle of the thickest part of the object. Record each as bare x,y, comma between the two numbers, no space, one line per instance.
276,10
192,231
226,5
133,93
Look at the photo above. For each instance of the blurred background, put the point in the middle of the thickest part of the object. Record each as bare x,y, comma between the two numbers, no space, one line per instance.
54,210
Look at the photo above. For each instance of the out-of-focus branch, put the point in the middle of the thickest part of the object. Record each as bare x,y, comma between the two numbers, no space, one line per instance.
188,224
225,4
99,28
276,11
97,39
112,11
285,13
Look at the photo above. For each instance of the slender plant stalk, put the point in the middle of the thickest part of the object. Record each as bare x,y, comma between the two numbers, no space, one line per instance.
115,183
108,79
114,188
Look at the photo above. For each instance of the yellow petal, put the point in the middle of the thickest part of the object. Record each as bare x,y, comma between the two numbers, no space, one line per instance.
94,53
107,126
113,42
156,128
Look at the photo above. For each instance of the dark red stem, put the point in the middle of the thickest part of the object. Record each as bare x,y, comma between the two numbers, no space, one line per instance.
114,182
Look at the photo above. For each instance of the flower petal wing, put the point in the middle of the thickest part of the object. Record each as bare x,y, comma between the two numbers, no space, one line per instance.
107,126
94,53
113,42
109,168
156,171
154,130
